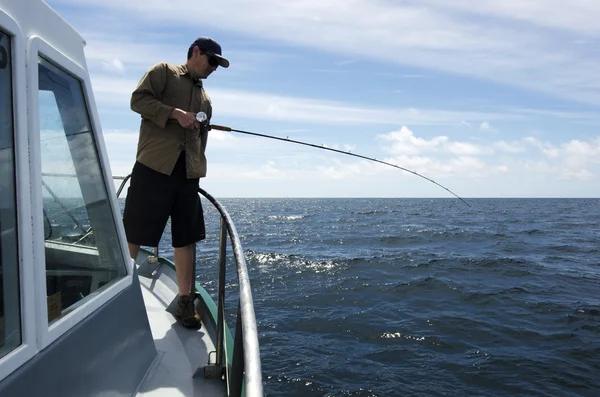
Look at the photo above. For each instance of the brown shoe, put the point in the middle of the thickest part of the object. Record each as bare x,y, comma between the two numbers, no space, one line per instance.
186,312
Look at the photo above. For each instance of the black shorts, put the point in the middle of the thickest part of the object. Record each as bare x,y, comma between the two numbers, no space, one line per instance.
152,197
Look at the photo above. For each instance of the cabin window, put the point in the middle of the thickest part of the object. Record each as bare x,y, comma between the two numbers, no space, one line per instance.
10,316
82,248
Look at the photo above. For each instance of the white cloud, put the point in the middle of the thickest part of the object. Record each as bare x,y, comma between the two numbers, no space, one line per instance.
314,165
575,160
580,16
486,127
547,148
465,148
578,157
404,141
432,167
539,45
133,53
535,169
571,160
121,147
509,147
269,170
339,170
577,174
111,91
471,166
262,106
223,136
582,149
569,115
114,65
438,35
116,92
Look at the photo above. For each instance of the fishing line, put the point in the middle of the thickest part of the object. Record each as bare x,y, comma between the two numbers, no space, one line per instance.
229,129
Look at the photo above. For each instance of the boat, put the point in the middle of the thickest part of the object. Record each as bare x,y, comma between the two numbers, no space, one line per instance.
78,317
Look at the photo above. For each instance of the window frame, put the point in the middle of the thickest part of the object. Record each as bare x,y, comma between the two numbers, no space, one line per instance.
46,334
28,348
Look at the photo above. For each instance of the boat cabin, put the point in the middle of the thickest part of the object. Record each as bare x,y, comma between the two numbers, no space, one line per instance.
76,318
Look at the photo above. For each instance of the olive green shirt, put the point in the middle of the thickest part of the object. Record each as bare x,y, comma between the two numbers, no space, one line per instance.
163,88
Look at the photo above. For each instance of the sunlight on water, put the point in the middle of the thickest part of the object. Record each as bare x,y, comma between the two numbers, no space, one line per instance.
362,297
389,335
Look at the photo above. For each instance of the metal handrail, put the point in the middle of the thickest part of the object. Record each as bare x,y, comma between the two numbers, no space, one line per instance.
124,179
246,328
246,353
65,209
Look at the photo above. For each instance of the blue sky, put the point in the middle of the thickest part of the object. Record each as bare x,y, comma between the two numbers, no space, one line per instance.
488,98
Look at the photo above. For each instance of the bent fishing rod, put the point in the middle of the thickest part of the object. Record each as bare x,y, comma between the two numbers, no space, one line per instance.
202,118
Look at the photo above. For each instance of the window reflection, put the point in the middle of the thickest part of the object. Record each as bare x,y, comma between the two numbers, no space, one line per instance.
10,321
81,244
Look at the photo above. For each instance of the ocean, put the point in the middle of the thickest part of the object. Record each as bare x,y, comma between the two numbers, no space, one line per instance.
418,297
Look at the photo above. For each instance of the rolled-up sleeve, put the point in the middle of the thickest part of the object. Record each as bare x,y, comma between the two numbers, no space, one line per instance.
145,99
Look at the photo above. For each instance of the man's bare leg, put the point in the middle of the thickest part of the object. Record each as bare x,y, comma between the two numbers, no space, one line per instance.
186,312
133,250
184,262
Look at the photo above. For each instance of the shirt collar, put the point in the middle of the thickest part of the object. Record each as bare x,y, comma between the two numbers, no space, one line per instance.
183,70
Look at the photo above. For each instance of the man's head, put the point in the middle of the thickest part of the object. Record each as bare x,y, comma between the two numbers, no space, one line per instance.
204,56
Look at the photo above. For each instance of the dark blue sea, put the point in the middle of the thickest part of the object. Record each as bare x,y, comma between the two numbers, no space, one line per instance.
419,297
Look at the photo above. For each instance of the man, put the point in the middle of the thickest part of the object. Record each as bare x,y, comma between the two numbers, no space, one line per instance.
170,160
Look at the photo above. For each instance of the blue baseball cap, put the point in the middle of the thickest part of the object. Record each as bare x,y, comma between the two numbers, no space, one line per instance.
209,45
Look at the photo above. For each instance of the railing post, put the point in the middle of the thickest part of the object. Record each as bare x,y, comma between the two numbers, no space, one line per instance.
237,366
216,370
221,296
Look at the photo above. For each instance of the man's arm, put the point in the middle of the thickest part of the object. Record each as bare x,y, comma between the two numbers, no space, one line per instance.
144,99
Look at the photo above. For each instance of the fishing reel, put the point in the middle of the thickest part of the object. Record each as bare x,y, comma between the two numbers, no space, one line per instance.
202,119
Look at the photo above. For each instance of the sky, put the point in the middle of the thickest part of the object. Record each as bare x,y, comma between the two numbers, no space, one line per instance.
487,98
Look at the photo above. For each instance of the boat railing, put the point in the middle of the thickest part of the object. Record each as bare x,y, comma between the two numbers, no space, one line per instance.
245,366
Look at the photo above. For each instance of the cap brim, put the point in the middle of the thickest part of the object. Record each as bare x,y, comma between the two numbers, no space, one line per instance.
224,63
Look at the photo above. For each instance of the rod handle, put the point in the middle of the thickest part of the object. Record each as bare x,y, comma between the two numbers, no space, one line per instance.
220,127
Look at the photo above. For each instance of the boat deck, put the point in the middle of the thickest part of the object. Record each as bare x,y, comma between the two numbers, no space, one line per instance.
182,352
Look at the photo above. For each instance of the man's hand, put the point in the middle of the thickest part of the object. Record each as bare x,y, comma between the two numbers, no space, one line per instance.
185,119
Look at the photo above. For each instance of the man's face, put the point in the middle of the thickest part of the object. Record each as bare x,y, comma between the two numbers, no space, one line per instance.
202,63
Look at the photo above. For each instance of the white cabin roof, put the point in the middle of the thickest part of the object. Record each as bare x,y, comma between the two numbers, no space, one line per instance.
36,18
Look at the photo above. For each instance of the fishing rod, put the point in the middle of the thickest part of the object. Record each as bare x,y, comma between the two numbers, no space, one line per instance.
202,118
